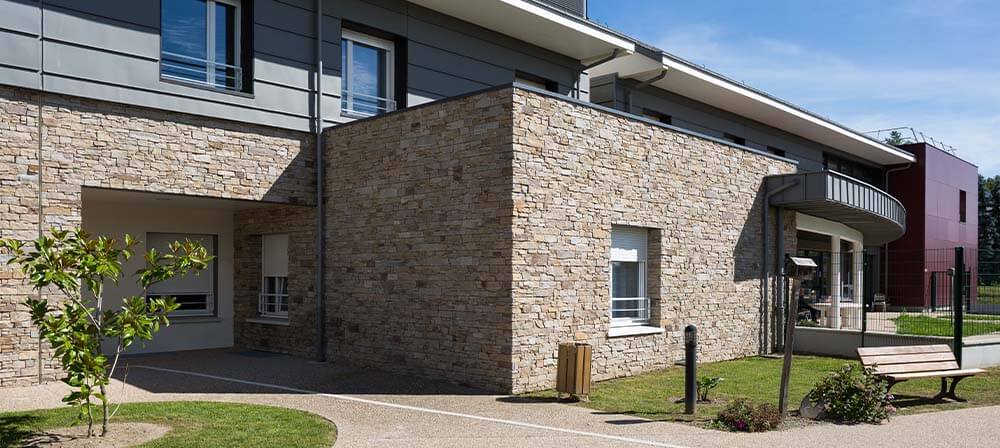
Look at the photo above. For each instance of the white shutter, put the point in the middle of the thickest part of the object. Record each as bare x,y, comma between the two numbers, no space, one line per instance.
275,255
628,243
190,283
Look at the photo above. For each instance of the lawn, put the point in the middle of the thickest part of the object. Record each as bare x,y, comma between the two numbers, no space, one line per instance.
973,325
653,395
193,423
989,294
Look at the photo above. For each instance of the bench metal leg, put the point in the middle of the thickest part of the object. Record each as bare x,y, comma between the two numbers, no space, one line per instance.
949,392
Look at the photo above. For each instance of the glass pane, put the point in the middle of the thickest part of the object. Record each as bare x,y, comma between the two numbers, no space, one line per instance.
366,79
184,39
625,279
225,45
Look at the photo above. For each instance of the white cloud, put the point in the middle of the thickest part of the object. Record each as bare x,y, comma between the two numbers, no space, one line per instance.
953,105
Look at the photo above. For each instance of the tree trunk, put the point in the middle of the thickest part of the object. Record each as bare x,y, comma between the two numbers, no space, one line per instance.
104,408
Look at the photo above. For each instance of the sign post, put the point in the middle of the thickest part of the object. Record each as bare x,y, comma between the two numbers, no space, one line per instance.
799,266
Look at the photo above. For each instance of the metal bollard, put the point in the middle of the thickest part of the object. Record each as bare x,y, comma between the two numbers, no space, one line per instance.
690,368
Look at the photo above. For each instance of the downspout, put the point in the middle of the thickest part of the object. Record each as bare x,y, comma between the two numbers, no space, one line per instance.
320,200
640,86
610,57
765,265
885,248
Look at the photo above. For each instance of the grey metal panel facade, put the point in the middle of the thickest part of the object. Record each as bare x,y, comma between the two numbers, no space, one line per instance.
612,91
575,7
109,50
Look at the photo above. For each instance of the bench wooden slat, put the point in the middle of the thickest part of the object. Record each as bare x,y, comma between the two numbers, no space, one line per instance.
883,360
945,374
902,350
916,367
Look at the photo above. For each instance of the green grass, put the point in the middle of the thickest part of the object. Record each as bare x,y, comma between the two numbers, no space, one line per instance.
653,395
192,423
974,325
989,294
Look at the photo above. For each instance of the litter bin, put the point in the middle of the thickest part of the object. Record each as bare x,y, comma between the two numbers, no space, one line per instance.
573,372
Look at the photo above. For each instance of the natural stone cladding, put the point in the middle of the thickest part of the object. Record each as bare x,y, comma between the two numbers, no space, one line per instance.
576,172
469,237
87,143
297,335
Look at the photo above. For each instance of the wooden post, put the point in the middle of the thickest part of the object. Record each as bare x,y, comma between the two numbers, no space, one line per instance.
786,367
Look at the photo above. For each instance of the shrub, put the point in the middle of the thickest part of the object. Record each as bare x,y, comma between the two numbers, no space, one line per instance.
854,395
742,415
705,385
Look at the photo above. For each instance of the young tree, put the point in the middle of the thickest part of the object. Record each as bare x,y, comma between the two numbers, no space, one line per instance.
78,268
895,138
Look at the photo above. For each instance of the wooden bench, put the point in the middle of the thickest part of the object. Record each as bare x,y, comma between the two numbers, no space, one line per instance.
898,364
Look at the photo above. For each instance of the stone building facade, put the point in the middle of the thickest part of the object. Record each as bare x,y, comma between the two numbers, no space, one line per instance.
54,146
469,237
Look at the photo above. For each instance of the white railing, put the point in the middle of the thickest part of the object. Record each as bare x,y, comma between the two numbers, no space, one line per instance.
213,74
362,105
273,305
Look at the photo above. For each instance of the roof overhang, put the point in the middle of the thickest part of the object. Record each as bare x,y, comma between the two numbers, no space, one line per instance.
689,80
536,24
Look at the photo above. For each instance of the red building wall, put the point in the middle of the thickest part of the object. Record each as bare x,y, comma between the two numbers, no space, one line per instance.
930,191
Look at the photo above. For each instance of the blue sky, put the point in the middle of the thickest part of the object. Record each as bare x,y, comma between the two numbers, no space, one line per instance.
933,65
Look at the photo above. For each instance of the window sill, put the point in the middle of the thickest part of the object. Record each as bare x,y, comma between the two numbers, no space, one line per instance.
240,93
179,320
269,321
635,330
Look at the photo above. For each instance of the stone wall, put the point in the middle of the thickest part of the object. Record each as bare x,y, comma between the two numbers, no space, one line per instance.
419,241
576,172
87,143
297,335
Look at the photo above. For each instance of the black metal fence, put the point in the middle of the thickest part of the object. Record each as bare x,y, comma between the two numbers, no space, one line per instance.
899,297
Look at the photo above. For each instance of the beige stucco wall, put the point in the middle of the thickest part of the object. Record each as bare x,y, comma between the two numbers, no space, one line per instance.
117,218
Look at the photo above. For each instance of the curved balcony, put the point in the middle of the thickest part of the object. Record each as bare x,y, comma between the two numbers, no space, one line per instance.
834,196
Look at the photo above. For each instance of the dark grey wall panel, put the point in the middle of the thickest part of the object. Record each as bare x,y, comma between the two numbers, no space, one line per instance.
20,51
65,26
20,15
110,50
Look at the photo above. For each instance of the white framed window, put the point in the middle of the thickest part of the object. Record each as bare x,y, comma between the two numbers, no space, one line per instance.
195,293
200,42
274,272
367,75
629,301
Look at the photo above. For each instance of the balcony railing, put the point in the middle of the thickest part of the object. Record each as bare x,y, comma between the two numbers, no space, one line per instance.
360,105
844,199
199,71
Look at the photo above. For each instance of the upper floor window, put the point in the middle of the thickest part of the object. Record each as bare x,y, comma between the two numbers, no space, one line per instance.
629,302
870,175
535,81
962,206
735,139
367,77
657,116
200,42
776,151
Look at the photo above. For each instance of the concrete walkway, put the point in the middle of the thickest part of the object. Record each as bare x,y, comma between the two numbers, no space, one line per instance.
381,410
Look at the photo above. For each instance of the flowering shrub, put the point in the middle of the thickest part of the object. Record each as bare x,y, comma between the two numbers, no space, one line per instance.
743,416
854,395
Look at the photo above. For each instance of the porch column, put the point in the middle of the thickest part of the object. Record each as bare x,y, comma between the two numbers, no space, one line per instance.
859,284
836,287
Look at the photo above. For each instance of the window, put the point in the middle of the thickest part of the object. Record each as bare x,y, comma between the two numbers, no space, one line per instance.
367,83
776,151
274,283
535,81
200,42
657,116
629,302
962,206
195,293
735,139
870,175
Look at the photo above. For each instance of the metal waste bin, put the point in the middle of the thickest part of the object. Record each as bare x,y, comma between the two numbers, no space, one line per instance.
573,372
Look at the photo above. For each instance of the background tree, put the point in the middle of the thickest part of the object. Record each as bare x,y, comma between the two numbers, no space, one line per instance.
895,138
989,229
79,268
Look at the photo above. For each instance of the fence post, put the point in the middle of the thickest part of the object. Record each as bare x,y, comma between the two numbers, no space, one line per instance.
934,293
957,302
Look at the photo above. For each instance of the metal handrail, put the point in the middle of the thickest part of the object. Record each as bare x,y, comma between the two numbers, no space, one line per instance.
348,98
210,70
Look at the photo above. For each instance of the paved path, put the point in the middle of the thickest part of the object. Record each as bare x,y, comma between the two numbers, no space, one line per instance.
380,410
